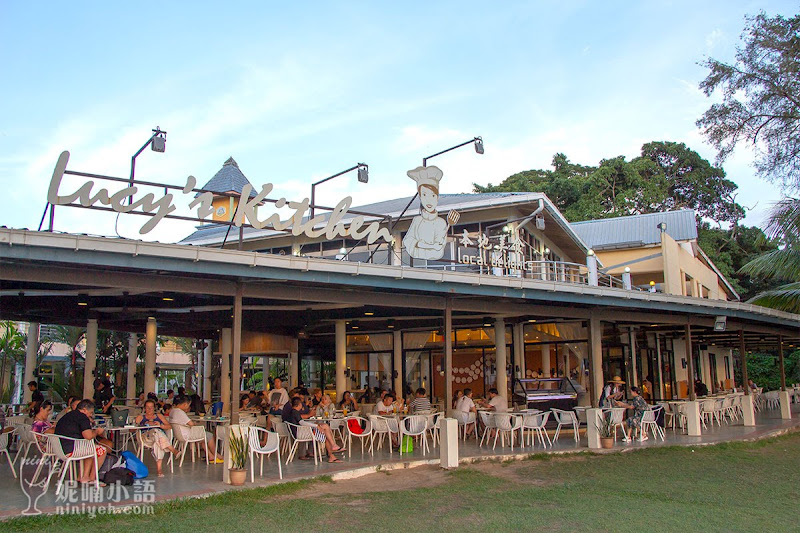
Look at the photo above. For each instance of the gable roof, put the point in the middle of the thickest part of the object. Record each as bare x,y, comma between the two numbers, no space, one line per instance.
229,179
637,230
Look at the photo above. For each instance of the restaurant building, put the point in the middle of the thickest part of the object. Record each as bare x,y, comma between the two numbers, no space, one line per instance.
406,293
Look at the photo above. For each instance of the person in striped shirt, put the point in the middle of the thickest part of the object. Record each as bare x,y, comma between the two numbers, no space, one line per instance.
420,402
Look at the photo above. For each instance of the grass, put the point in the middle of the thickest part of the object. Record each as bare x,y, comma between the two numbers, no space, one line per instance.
733,486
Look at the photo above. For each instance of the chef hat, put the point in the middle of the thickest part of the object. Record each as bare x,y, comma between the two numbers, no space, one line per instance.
426,176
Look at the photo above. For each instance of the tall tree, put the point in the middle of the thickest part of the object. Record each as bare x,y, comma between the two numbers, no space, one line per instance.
760,98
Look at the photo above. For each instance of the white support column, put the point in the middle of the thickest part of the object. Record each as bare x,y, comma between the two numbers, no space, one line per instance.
31,351
693,423
133,345
749,419
294,368
341,357
634,350
591,265
226,346
90,362
207,371
500,351
448,354
397,345
150,355
448,457
519,349
786,404
546,366
594,417
595,359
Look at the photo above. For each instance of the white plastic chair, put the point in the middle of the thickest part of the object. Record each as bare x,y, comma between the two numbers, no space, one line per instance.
366,434
464,420
566,418
283,432
649,420
4,449
140,445
26,440
433,427
506,423
272,445
301,434
535,423
196,436
488,424
617,418
415,426
82,449
383,426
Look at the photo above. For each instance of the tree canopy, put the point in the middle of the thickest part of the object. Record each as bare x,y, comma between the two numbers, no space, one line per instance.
760,98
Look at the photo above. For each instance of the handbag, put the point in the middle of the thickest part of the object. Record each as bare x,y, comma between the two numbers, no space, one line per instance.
133,464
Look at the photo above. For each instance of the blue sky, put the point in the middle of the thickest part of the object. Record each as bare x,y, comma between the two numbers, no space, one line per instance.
296,93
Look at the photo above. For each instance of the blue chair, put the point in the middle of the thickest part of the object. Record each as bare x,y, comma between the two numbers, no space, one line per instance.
216,408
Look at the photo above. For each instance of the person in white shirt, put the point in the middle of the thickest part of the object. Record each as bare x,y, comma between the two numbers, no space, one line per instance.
388,407
278,394
496,403
178,415
464,406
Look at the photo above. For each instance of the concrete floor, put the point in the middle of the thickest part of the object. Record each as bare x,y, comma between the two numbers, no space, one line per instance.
198,479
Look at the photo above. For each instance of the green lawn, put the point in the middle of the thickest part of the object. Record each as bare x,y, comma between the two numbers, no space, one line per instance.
738,486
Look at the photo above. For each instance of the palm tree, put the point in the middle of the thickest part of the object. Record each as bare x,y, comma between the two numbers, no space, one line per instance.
782,264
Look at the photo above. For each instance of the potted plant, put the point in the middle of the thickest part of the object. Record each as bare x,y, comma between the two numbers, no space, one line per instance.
606,430
239,449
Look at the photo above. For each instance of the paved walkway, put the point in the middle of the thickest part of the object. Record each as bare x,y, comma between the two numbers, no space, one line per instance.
198,479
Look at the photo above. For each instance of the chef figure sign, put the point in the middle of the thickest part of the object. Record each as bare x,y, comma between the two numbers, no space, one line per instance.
427,235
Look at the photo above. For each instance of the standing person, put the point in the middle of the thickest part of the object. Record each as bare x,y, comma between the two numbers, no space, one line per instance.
278,393
36,394
77,424
427,235
156,438
178,415
639,406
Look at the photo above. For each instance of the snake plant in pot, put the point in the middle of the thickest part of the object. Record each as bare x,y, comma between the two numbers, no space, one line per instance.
606,430
239,449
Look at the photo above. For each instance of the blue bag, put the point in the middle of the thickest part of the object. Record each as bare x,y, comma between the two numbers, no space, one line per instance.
133,464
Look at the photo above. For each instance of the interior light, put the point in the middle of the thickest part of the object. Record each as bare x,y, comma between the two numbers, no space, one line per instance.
168,299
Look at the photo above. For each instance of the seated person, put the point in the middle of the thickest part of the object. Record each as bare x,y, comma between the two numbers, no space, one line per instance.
316,397
41,417
166,410
639,406
322,432
464,406
388,407
326,407
496,403
348,402
77,424
178,416
72,403
420,402
457,395
197,405
156,439
700,388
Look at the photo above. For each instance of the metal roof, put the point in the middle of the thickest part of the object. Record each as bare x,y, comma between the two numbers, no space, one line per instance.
637,230
228,179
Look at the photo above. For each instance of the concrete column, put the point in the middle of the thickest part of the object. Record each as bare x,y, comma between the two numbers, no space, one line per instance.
236,356
500,351
265,373
449,443
693,423
448,355
207,371
546,366
591,265
294,368
150,356
786,404
91,358
748,409
690,361
397,354
594,417
519,348
133,345
226,346
31,351
660,367
634,381
341,357
565,356
595,360
627,283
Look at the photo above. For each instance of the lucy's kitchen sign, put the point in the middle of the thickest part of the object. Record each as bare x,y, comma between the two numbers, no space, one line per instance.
162,207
